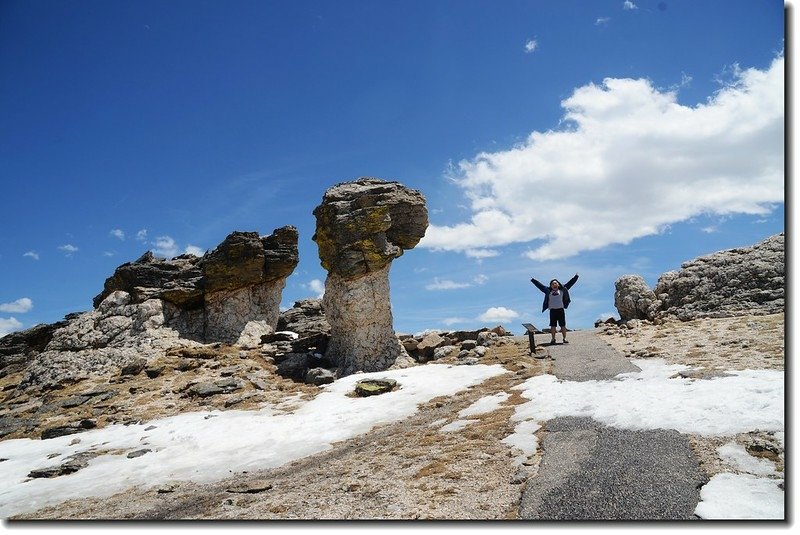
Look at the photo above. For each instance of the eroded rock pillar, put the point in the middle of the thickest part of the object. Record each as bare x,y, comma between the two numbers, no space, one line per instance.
361,227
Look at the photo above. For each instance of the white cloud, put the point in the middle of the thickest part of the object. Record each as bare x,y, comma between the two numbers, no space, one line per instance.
710,229
9,325
68,249
629,5
317,286
480,279
195,250
480,254
630,161
141,235
454,321
530,46
165,246
20,306
498,314
601,21
117,233
108,253
32,254
445,284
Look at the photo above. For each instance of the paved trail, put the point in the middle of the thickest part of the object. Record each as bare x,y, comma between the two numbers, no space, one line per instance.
593,472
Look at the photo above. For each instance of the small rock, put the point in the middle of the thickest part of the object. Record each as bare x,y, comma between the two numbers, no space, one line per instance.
150,427
239,399
469,361
480,351
133,368
469,344
258,383
319,376
442,352
205,389
250,487
373,387
154,372
169,486
137,453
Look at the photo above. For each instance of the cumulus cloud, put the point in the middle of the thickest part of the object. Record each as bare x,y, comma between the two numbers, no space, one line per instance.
445,284
141,235
165,246
21,305
530,46
195,250
68,249
9,325
629,162
317,286
629,5
32,254
499,315
117,233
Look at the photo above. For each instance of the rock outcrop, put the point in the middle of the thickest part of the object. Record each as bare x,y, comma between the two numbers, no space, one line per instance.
746,280
634,299
362,226
117,334
237,286
231,294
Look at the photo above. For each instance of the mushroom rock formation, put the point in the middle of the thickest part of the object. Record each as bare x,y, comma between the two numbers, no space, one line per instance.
234,291
243,280
361,227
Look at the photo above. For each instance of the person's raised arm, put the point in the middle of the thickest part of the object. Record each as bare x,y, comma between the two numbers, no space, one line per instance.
570,282
539,285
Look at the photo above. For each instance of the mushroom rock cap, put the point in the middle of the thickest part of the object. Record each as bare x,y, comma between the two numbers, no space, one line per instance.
365,224
245,258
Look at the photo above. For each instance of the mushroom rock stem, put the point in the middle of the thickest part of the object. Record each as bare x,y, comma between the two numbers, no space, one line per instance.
360,315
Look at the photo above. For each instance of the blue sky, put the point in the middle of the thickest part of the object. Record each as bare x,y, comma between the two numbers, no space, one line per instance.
598,137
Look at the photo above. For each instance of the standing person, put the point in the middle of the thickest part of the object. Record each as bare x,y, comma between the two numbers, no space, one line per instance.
556,298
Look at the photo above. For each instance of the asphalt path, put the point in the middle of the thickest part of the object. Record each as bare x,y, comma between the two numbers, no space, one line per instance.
592,472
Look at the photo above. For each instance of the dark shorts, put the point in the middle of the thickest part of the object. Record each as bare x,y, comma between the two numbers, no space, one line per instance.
557,316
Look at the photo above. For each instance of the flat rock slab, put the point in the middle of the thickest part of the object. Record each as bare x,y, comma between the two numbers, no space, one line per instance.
585,358
592,472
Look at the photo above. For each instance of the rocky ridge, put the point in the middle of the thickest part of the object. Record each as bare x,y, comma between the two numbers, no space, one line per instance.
735,282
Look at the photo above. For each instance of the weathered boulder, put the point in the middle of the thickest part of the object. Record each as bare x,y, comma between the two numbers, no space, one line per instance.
634,299
361,227
307,319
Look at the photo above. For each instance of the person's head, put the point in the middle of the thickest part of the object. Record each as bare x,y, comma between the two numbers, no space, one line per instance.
554,284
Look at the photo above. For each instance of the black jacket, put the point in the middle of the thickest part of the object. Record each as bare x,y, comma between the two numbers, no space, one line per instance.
564,288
